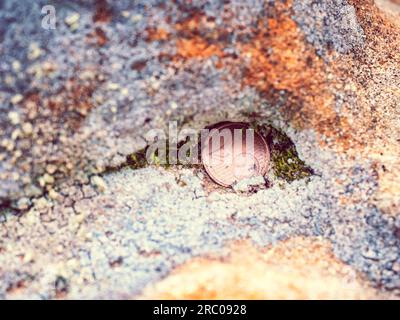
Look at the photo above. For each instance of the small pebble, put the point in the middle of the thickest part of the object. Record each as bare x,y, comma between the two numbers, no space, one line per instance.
16,99
113,86
125,14
99,183
53,194
14,116
34,51
16,65
136,18
72,19
27,128
23,203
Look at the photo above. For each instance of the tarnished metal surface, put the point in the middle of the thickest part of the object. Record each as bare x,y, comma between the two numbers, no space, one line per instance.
233,152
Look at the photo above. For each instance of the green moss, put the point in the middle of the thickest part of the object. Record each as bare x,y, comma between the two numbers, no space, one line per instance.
137,160
286,163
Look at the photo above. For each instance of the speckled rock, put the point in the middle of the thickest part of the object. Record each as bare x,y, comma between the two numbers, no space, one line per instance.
75,101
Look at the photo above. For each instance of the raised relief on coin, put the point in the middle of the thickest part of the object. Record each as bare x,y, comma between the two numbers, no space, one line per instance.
232,152
245,165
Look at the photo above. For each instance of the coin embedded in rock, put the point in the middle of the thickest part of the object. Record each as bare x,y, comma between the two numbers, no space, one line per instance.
232,151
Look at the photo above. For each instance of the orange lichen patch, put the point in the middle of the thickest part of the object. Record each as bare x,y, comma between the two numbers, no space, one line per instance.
71,103
158,34
198,37
31,105
76,97
197,48
197,24
276,58
280,59
103,12
193,24
98,37
300,268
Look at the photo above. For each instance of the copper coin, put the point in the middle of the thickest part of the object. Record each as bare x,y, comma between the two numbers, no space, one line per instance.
261,150
231,153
